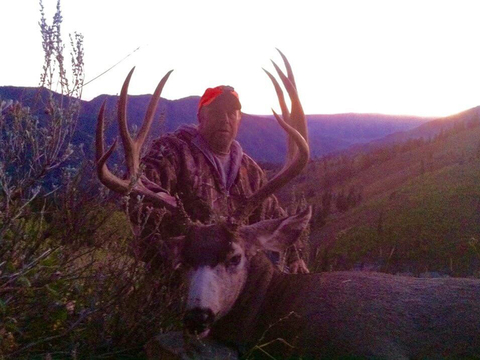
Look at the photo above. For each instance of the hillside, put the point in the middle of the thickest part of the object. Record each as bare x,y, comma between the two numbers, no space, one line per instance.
426,130
409,207
328,133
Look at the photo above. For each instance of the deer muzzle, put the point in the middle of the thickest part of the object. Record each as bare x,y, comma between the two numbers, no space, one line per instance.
198,321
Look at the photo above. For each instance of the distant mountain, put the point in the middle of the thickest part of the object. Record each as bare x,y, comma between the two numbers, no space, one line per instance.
345,130
427,130
260,136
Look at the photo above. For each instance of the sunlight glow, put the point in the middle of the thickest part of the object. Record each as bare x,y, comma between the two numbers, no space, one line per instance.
391,57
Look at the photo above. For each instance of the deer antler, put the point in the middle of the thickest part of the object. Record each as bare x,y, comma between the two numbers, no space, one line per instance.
295,125
132,147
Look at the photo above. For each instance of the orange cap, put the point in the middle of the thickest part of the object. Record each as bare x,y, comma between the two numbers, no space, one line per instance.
212,93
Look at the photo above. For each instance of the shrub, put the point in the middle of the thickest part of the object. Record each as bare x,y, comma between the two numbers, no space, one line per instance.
69,284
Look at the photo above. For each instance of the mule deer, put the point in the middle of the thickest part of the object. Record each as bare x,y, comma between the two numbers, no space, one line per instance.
238,297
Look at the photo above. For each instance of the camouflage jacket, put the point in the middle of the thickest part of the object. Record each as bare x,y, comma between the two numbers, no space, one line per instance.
177,164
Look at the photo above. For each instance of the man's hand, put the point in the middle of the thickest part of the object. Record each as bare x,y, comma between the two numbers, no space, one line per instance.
298,267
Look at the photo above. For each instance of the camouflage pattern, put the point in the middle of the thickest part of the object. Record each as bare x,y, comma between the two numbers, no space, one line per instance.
176,165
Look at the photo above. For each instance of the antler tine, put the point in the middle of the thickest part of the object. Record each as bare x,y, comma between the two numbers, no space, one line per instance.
289,69
152,108
131,153
132,150
133,147
292,149
283,177
281,98
297,116
294,124
103,173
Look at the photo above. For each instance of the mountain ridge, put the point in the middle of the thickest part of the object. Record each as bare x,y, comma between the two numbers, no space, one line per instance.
327,133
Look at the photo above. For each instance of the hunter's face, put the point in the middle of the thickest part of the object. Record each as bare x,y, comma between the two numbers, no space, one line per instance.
219,125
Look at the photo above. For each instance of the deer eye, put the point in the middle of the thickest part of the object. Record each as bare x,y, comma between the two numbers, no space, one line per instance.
235,260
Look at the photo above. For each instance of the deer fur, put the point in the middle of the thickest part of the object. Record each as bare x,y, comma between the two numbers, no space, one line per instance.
327,315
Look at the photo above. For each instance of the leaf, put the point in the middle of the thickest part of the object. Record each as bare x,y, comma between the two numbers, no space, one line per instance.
3,306
22,280
52,291
60,315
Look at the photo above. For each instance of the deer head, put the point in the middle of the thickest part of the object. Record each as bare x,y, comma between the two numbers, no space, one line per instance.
217,259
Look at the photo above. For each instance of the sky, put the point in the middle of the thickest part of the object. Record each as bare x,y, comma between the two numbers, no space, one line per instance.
408,57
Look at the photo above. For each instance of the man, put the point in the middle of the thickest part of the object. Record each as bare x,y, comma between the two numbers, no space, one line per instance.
206,168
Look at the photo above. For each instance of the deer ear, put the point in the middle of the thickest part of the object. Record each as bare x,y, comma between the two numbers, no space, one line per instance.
276,234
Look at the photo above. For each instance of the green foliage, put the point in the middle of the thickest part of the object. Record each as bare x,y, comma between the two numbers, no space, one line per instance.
419,216
70,286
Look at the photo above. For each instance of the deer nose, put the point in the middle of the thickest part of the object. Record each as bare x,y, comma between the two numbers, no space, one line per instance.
197,320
